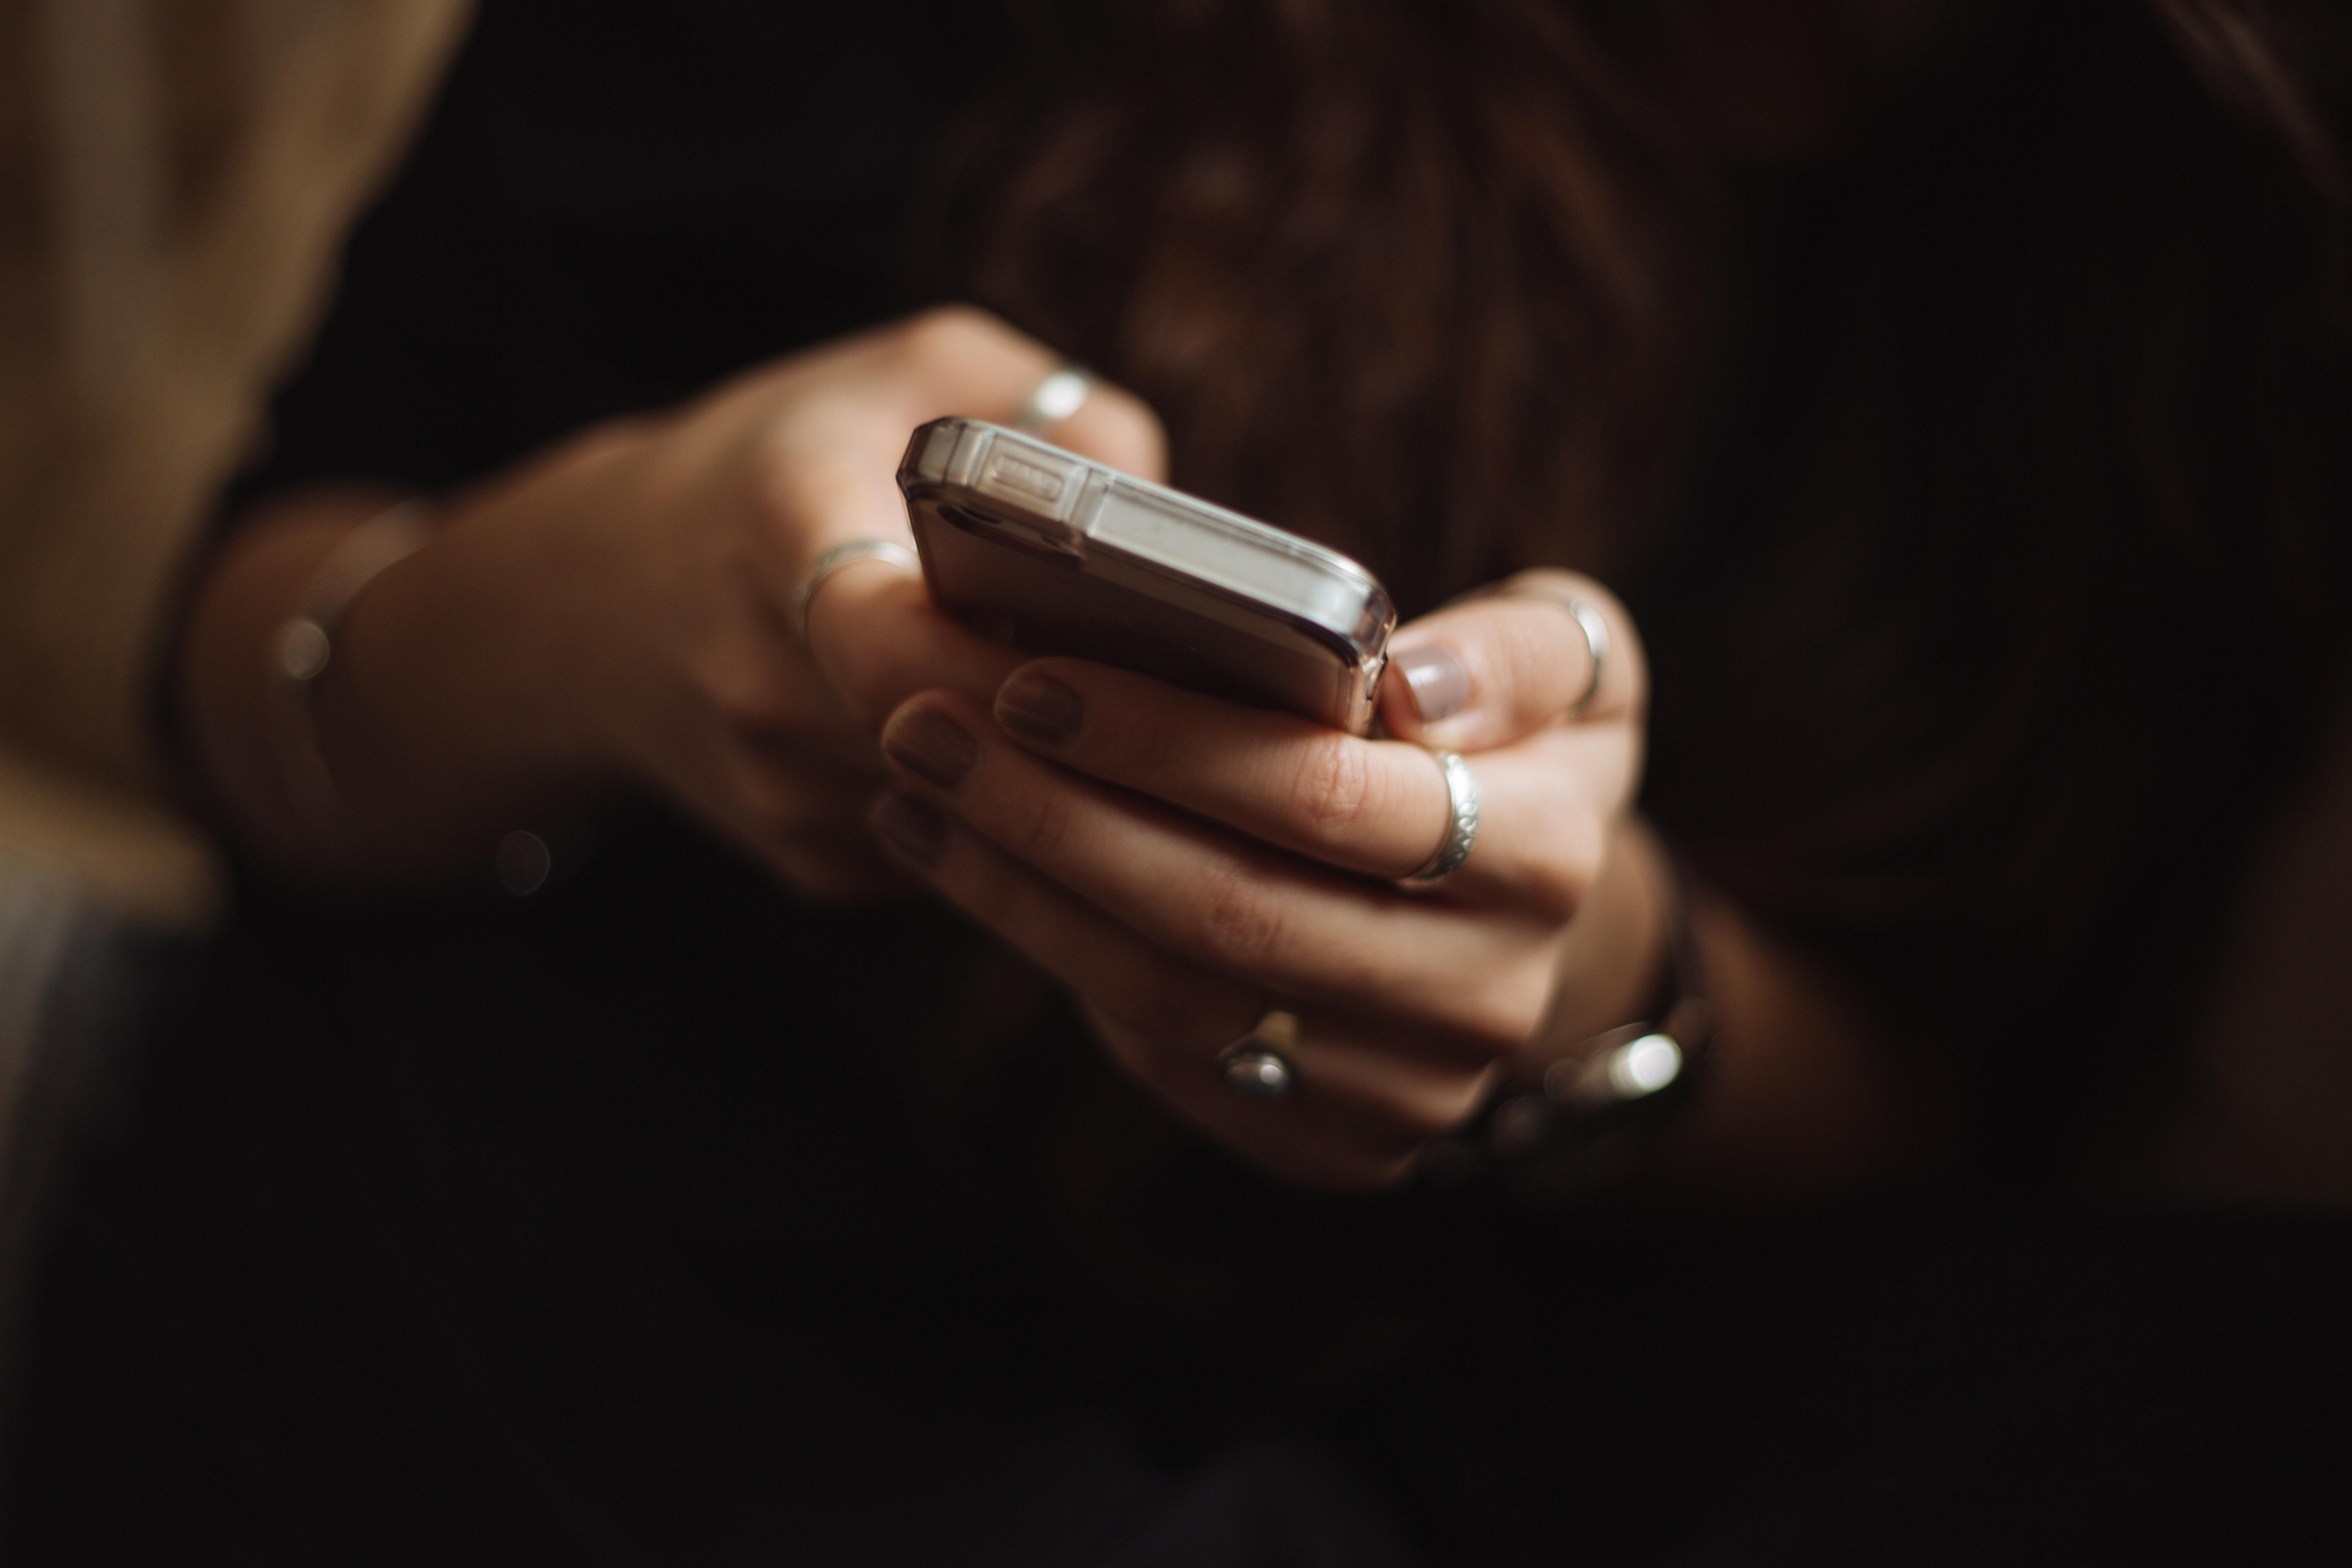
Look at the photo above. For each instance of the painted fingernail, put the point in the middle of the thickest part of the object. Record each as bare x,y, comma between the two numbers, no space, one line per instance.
931,745
1439,682
1040,708
910,827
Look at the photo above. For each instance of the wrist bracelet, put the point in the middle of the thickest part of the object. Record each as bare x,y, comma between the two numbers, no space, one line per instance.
304,644
1560,1125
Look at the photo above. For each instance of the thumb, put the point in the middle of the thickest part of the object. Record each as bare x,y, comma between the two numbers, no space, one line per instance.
1486,671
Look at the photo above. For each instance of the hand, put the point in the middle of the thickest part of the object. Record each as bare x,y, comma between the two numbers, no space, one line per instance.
732,502
1184,865
620,610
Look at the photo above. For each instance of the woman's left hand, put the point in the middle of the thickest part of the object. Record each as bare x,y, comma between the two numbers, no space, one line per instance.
1186,865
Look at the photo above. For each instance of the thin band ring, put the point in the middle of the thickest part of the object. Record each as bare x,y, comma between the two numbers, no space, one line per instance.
1258,1064
834,560
1595,627
1461,823
1062,393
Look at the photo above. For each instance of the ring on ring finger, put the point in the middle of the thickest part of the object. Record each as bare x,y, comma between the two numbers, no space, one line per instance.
1259,1064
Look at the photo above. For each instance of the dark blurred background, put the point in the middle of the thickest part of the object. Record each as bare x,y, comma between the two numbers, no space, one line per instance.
175,176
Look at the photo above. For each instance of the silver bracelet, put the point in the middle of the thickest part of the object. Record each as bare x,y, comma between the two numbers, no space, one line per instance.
304,645
1557,1128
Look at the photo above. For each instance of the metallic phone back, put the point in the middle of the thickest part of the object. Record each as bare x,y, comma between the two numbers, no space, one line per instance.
1055,555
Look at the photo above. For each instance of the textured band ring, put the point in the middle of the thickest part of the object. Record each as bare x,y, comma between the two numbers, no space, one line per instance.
1258,1064
1461,822
1054,399
839,557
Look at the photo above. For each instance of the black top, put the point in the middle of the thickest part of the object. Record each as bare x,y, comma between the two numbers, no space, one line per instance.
661,1218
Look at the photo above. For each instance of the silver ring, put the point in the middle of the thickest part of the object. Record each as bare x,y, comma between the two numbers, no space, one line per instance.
1595,627
1258,1064
1052,400
1461,822
839,557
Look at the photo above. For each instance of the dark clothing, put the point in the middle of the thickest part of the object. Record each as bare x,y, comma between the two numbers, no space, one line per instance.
661,1217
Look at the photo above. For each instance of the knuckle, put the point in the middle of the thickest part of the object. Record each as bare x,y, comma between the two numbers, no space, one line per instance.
1177,1008
1552,895
1333,788
1239,924
1129,431
1502,1018
1555,885
745,703
945,333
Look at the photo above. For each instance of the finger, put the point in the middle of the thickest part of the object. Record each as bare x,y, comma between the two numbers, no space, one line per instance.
824,432
834,482
1372,806
835,461
959,359
1489,670
1386,1078
1270,919
1079,944
1359,1109
1311,1138
798,812
878,639
762,694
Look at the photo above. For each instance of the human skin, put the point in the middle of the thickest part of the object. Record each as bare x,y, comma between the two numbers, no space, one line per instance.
614,617
1184,865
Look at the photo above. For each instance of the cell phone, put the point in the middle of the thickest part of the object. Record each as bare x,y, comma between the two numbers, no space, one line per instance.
1053,553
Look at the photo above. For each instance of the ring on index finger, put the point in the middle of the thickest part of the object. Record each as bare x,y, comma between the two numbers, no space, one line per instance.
1461,823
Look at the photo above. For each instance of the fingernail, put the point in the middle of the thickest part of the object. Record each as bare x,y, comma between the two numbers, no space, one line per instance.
1040,708
1440,683
910,827
931,745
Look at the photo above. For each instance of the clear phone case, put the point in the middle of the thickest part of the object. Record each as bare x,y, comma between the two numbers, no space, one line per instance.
1057,555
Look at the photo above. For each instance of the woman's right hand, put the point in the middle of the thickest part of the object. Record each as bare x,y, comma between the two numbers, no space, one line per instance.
620,610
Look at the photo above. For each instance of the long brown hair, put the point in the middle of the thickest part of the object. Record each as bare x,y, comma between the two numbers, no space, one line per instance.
1347,251
1976,480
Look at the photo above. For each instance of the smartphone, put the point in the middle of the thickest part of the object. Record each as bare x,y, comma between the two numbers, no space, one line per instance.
1053,553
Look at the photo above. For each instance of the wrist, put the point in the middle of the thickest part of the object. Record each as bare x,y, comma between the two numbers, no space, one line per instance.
1622,1056
458,710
